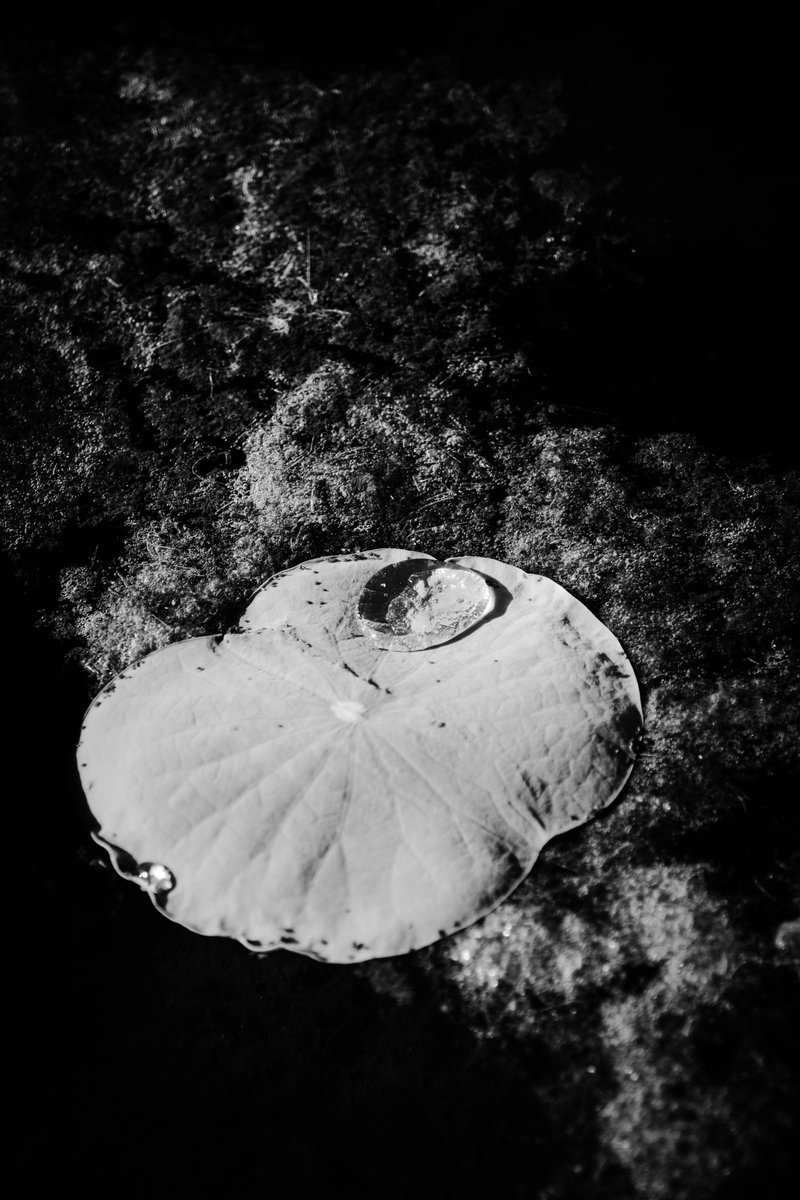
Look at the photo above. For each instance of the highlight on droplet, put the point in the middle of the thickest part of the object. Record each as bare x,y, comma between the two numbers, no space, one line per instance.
416,604
155,878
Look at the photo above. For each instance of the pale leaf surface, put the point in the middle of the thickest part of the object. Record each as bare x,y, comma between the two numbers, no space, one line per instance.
309,789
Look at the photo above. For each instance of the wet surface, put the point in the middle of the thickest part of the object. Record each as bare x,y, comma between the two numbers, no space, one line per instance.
414,605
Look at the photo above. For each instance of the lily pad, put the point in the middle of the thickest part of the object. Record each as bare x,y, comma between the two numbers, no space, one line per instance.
297,784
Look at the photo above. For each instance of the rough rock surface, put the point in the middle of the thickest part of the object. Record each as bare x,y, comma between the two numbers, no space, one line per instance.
269,298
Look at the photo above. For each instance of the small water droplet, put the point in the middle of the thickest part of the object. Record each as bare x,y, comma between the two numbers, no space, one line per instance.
156,878
415,604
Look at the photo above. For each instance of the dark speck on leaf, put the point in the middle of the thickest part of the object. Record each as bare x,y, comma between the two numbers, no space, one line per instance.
611,669
289,941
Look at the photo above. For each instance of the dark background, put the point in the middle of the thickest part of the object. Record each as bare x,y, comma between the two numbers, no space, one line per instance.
158,1061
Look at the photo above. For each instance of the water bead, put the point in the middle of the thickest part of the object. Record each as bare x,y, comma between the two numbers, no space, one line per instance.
156,878
420,603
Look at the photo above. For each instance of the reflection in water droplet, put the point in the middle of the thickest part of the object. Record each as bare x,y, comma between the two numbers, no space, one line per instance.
156,878
417,603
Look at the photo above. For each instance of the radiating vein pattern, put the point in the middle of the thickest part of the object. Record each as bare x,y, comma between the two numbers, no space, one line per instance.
313,788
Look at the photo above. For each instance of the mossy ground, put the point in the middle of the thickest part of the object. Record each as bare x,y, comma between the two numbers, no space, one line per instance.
261,305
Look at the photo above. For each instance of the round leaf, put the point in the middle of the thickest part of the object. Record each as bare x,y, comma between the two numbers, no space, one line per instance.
298,785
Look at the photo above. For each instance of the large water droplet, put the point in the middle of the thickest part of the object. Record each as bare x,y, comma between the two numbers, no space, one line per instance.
156,878
414,604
